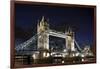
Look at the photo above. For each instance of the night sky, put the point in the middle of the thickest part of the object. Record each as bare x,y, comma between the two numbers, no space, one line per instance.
59,18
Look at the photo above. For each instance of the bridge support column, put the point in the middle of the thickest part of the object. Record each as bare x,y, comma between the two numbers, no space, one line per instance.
70,45
43,37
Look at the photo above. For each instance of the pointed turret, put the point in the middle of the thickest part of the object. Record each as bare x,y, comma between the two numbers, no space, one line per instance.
69,30
42,19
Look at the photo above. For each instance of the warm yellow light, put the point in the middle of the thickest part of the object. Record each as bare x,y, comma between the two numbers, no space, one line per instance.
62,61
34,56
44,54
47,55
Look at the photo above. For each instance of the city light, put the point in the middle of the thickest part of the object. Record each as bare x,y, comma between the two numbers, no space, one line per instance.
34,56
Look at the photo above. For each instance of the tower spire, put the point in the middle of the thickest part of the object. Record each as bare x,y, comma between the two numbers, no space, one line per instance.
42,18
69,30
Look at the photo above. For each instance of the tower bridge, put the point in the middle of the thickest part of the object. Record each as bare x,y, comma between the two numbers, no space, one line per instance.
42,38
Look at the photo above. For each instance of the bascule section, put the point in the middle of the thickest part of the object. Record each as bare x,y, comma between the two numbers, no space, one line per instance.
69,49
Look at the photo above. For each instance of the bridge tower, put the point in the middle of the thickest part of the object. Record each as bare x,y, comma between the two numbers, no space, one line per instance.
43,37
70,46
